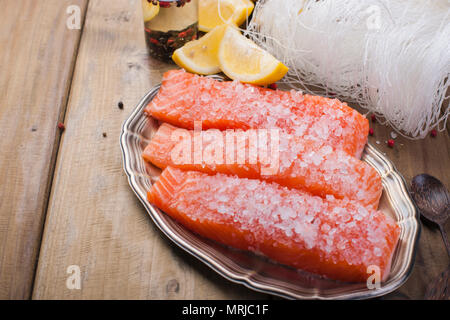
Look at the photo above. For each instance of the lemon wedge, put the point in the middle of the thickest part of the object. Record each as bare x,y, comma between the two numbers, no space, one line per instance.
150,10
241,59
200,56
231,11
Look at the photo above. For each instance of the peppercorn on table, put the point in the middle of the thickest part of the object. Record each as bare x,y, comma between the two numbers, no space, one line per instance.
65,202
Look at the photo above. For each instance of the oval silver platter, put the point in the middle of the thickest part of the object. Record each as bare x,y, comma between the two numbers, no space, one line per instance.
256,272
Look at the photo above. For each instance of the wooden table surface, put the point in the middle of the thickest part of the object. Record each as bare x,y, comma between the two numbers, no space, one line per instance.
64,198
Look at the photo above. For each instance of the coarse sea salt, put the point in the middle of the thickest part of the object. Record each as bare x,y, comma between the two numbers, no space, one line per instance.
245,106
324,224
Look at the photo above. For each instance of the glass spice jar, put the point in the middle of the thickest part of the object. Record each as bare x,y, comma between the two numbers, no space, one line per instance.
175,24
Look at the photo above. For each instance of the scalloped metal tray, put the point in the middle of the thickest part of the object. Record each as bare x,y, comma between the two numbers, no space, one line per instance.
254,271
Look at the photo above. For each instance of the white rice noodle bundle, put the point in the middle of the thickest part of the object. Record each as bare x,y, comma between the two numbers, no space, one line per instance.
390,56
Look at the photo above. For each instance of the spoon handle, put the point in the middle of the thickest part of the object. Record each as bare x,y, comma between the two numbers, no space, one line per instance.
445,238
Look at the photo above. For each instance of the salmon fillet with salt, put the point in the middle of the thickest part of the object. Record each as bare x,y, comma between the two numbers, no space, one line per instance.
185,98
338,239
283,158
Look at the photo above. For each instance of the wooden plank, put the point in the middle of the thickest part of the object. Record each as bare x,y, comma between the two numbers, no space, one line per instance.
94,220
36,62
413,157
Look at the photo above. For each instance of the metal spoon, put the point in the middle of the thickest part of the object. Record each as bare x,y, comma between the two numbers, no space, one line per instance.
433,201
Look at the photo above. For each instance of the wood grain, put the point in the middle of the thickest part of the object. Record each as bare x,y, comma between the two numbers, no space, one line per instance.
94,220
36,63
432,156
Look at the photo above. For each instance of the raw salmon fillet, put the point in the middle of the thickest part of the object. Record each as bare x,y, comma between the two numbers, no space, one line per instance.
335,238
295,162
185,98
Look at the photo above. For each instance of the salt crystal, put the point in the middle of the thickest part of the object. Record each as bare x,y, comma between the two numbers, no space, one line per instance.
326,150
341,245
222,198
309,218
377,252
317,159
222,209
326,227
346,217
363,211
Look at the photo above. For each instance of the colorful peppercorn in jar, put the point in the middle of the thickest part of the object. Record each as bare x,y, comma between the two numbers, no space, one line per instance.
169,24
